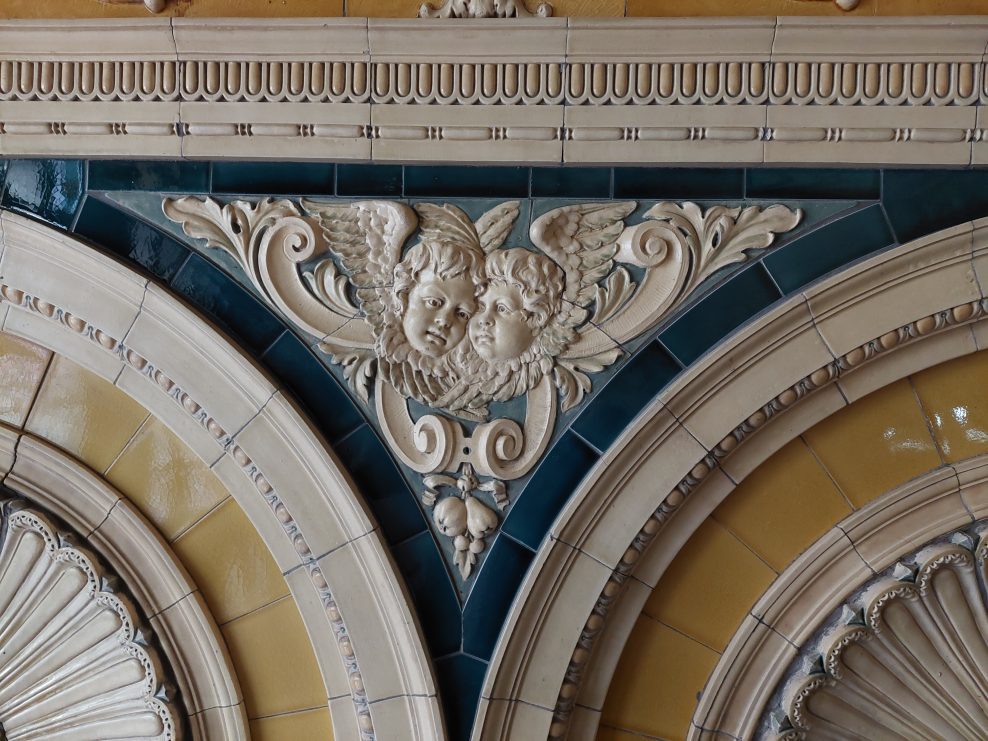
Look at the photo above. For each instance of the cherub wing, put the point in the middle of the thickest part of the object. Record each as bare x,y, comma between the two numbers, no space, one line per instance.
367,238
582,240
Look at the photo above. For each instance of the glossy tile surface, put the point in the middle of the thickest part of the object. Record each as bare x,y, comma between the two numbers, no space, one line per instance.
229,563
84,414
306,724
47,189
875,444
783,506
955,400
22,366
275,665
656,683
706,592
171,486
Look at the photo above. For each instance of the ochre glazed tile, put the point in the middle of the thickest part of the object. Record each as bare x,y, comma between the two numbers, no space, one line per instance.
783,506
22,366
229,563
875,444
658,677
314,724
710,586
84,414
167,481
743,7
274,662
202,8
955,400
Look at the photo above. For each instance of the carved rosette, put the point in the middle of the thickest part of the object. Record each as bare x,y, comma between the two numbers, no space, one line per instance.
908,660
74,662
460,322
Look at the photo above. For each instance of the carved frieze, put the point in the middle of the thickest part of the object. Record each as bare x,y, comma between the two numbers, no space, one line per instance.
483,9
440,335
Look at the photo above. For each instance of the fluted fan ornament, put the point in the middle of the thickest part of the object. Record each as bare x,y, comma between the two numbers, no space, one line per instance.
74,665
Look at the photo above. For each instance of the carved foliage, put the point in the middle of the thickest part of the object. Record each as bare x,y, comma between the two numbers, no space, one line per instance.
74,663
483,9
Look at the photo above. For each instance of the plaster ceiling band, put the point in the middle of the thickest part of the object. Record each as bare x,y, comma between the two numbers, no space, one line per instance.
722,388
135,323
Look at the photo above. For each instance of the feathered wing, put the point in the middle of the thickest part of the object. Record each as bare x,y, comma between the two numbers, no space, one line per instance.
582,240
367,238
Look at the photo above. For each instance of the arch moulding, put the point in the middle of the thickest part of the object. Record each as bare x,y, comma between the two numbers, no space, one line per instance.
858,330
59,293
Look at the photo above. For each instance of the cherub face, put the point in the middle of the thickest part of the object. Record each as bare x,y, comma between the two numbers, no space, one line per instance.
500,329
438,311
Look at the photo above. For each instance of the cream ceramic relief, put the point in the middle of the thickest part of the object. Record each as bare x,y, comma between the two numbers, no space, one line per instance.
75,662
443,332
483,9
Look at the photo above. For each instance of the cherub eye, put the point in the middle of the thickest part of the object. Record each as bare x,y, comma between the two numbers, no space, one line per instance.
463,314
433,303
503,309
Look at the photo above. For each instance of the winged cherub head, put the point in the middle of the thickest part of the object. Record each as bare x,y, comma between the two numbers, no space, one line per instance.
522,294
435,288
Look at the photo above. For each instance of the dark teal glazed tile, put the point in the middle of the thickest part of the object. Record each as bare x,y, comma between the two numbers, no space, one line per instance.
273,178
163,177
328,404
466,181
379,481
559,473
425,573
829,247
859,185
719,313
625,395
48,189
487,606
460,680
232,306
571,182
369,180
131,238
919,202
677,183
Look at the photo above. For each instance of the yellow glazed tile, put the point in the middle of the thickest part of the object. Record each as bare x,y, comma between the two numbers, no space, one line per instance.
783,506
876,443
274,661
314,724
229,563
743,7
955,401
203,8
84,414
22,366
658,677
167,481
710,586
614,734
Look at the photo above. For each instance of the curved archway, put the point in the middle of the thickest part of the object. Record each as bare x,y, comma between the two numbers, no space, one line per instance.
856,331
87,307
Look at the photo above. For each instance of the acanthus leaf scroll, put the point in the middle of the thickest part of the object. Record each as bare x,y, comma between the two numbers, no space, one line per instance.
458,322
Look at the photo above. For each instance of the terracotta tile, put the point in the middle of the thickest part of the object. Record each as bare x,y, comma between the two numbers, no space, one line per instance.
21,372
169,483
783,506
315,724
83,414
875,444
229,563
274,662
955,401
710,586
655,686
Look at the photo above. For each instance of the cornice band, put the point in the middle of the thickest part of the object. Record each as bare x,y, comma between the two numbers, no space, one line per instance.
773,90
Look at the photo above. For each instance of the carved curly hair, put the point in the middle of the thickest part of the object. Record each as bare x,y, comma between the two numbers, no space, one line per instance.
540,280
446,259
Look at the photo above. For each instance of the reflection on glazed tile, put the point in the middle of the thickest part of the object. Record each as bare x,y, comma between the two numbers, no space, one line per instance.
164,177
314,724
21,370
229,563
954,400
783,506
171,486
274,661
46,189
875,444
656,683
84,414
709,587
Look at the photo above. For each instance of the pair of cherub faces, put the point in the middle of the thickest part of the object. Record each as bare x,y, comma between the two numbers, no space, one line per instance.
500,304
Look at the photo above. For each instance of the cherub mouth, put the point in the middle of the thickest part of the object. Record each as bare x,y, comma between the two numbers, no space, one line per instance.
435,337
483,338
